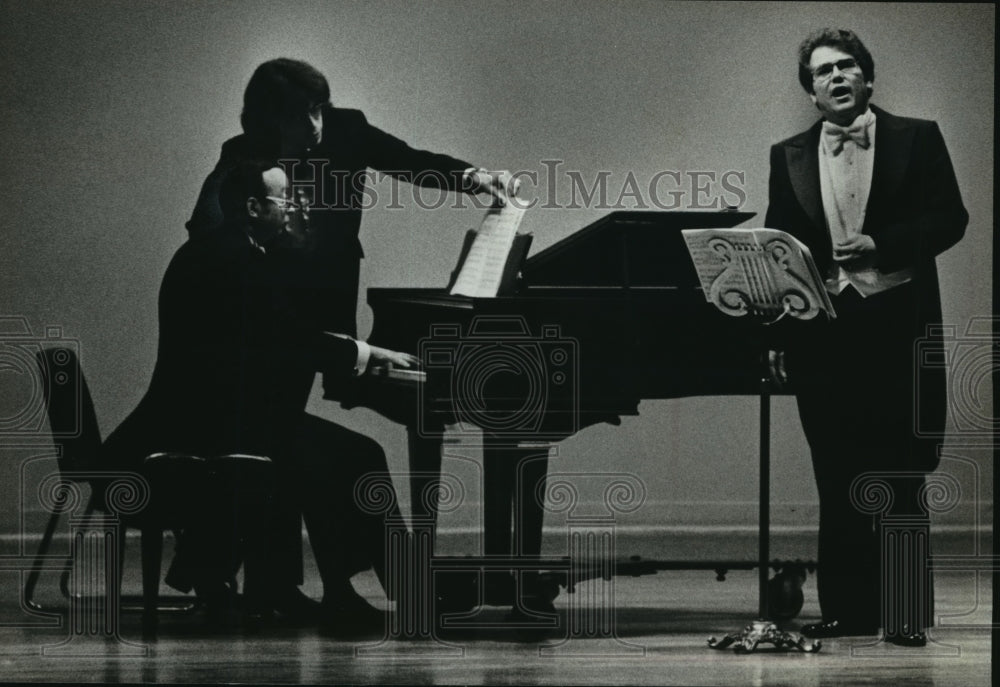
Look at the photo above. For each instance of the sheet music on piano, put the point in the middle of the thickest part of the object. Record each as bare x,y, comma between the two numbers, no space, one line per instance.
482,271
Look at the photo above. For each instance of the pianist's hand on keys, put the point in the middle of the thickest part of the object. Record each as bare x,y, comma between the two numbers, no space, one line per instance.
382,356
395,366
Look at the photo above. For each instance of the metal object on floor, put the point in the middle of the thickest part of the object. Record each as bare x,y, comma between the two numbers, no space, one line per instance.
764,632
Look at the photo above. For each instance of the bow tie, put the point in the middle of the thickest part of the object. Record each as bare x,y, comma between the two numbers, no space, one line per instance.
836,135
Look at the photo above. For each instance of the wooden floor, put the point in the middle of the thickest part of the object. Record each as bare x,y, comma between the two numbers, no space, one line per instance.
663,622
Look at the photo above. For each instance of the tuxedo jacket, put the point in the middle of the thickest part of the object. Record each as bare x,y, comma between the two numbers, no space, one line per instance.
914,213
236,359
332,177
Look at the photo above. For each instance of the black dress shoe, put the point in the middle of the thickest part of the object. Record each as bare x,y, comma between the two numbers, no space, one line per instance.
296,607
914,639
836,628
220,603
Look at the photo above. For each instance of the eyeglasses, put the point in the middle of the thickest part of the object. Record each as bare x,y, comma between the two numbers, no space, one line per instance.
283,203
824,72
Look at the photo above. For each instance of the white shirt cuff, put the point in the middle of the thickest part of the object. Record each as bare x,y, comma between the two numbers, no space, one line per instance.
364,354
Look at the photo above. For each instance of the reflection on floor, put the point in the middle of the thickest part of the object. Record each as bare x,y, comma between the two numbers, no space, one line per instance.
660,628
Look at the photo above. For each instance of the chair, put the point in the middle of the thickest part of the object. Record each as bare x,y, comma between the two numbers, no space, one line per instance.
77,438
74,432
183,489
177,490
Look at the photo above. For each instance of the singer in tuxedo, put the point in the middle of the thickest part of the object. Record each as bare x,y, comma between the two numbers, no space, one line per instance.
875,198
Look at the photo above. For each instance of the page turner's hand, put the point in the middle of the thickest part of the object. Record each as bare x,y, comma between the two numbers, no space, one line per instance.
501,185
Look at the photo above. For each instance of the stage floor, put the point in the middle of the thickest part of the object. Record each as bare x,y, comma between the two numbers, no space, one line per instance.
661,625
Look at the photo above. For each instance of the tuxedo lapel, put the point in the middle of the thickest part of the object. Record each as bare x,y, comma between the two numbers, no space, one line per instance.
802,157
893,148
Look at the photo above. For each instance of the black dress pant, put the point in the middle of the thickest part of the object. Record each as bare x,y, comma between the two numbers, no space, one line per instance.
315,479
319,480
855,378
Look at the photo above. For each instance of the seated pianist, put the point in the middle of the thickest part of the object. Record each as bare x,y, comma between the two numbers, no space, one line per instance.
235,366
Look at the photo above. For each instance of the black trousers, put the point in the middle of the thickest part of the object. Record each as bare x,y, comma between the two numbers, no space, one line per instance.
855,378
320,480
316,479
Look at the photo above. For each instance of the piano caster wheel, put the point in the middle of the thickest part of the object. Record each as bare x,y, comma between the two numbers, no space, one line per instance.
784,594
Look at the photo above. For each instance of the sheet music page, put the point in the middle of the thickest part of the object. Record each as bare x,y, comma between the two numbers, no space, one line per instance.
482,270
759,268
707,262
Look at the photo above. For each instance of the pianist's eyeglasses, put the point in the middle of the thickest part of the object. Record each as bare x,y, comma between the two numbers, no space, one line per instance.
824,72
283,203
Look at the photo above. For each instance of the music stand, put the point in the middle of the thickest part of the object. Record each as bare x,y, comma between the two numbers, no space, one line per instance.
764,274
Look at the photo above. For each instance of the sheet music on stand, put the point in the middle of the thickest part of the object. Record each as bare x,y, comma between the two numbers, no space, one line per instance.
763,272
484,266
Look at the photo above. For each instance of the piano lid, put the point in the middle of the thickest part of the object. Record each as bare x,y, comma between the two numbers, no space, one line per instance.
627,248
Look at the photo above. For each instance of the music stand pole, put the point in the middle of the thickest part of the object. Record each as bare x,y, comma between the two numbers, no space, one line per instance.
764,500
762,630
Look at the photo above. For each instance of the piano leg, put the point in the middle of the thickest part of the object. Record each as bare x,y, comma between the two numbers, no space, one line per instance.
425,470
499,475
531,605
529,494
513,478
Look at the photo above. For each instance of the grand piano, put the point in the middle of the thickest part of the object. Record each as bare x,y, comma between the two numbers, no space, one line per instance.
609,316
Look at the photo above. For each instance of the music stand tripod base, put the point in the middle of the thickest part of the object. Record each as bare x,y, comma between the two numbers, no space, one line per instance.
764,632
